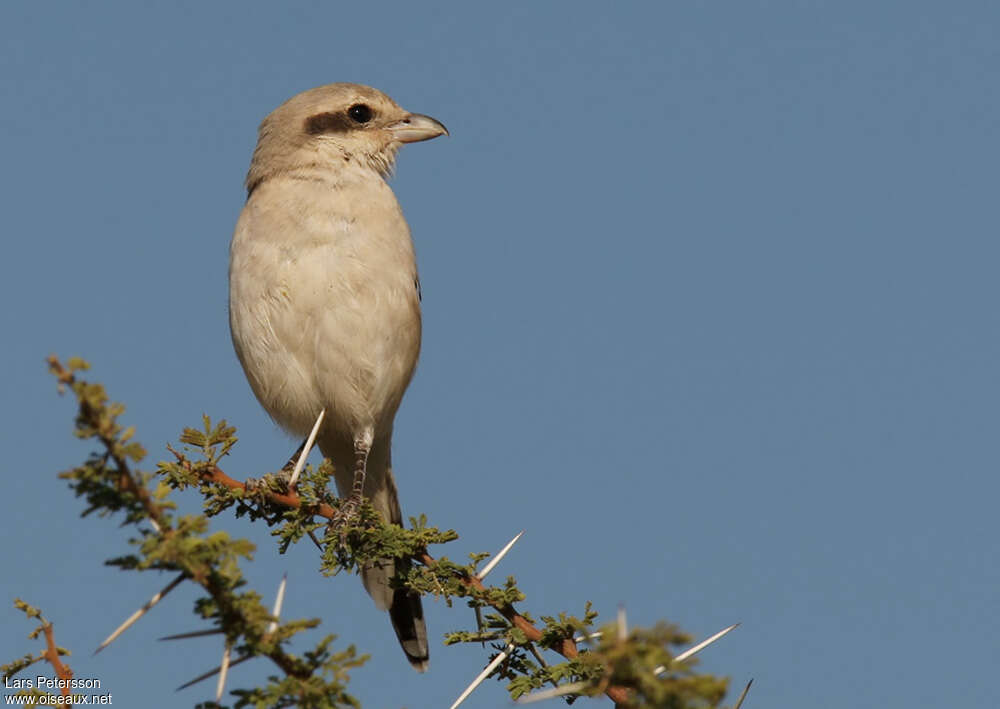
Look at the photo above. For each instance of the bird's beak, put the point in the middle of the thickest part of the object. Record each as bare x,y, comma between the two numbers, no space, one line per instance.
416,127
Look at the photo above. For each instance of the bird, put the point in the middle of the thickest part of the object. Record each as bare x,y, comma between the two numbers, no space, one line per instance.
324,298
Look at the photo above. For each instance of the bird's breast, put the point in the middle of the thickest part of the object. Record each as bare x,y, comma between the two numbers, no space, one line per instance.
324,305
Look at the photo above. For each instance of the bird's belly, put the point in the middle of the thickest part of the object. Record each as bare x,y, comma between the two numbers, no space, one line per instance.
325,331
364,356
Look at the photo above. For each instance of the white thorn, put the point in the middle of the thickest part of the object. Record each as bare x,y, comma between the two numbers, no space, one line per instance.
483,675
743,695
223,671
305,449
208,674
278,601
141,612
155,525
499,555
697,648
551,693
622,624
590,636
193,634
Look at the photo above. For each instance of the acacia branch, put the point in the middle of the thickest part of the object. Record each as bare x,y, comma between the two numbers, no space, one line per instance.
567,648
52,655
126,480
98,480
105,432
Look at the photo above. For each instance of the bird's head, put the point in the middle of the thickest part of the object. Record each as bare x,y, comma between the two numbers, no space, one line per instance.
336,124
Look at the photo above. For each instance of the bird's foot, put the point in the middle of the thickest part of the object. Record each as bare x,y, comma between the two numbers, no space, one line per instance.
347,515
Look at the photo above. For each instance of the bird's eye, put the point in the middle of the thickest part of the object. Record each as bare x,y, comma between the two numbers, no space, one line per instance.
360,113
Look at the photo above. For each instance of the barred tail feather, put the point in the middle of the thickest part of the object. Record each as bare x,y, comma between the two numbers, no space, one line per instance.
405,609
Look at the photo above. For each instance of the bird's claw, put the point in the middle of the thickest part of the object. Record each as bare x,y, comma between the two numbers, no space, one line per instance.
347,516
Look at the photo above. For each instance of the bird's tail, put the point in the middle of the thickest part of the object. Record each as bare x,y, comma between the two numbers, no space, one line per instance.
404,606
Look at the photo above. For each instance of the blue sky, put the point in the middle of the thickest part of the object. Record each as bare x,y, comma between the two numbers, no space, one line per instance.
710,306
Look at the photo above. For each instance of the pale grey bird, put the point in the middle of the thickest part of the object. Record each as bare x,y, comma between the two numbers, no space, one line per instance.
324,299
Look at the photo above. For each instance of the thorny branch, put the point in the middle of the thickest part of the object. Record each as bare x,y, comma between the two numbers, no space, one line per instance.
200,574
126,480
97,419
52,653
567,648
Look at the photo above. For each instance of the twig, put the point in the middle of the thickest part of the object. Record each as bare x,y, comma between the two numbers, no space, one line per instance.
125,477
567,648
541,660
52,655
